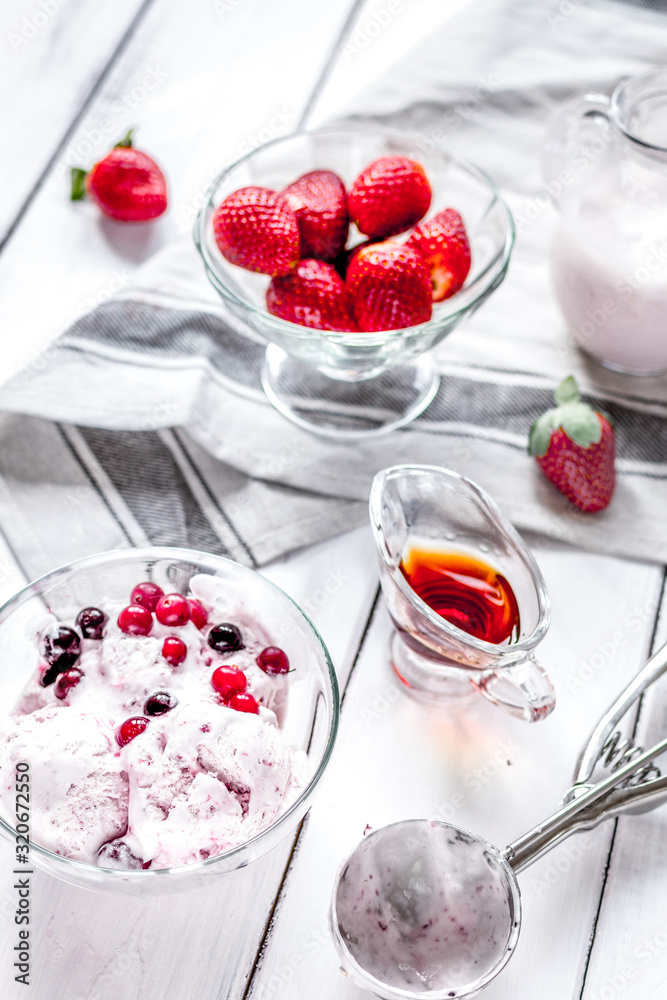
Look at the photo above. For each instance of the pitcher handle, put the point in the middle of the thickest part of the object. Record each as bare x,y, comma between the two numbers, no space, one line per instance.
523,689
579,134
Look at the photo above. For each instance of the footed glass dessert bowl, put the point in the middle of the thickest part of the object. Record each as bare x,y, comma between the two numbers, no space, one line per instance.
355,384
166,716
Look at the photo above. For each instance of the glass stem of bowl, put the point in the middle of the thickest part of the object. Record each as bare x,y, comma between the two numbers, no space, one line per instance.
576,815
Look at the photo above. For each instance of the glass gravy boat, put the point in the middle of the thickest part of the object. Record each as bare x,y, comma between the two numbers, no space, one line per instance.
428,508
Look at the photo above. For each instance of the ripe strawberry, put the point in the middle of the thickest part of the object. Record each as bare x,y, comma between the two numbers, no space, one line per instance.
312,295
319,201
255,228
389,286
443,243
574,446
126,185
389,196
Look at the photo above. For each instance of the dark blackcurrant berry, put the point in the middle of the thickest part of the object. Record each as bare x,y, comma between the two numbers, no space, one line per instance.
61,648
159,703
91,621
225,638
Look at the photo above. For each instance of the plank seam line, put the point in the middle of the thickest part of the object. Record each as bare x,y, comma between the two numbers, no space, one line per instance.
268,926
635,726
78,117
328,67
598,911
362,641
661,597
651,648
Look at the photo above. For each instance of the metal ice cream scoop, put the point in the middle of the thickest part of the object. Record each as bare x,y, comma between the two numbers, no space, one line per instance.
424,909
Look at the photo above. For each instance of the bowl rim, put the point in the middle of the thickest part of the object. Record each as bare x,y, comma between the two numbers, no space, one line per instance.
176,554
491,275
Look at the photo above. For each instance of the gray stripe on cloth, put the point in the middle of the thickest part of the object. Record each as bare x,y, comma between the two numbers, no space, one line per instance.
153,487
209,504
96,478
50,511
479,402
197,471
174,333
272,517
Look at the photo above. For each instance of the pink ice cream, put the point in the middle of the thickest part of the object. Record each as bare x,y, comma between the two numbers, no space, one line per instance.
201,778
424,907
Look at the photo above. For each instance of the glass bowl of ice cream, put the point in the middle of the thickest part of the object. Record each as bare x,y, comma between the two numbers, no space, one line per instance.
340,382
166,717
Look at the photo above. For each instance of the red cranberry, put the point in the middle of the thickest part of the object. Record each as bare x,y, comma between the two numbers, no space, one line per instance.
61,647
228,680
273,661
172,609
198,613
174,650
225,638
91,621
147,595
244,703
159,703
129,729
66,681
135,620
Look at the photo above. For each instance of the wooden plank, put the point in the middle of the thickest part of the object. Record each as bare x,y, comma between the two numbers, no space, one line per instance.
53,53
207,83
384,32
479,769
201,944
629,953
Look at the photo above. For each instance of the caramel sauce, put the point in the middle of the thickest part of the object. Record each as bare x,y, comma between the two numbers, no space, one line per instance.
466,591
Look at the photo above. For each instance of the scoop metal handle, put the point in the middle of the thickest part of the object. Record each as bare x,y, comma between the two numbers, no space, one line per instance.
589,808
597,741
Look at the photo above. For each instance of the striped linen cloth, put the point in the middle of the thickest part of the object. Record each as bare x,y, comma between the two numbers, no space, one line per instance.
146,422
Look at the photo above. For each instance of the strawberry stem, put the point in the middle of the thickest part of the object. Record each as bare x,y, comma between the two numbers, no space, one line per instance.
578,420
78,184
126,141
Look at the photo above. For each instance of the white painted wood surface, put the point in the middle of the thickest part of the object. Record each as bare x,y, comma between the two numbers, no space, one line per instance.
208,79
68,41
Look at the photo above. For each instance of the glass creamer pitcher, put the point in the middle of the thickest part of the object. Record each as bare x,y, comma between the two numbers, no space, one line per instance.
606,164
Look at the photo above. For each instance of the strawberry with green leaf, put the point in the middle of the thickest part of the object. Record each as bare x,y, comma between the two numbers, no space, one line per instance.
126,185
574,445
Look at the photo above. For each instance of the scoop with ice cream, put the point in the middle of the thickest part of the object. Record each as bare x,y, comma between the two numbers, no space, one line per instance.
423,909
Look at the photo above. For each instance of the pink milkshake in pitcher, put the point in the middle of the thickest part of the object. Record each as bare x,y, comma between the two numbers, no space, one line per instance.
609,255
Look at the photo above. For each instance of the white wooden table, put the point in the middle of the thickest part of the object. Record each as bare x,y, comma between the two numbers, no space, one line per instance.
204,81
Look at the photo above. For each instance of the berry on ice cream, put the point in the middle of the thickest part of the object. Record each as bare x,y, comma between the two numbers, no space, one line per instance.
153,730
